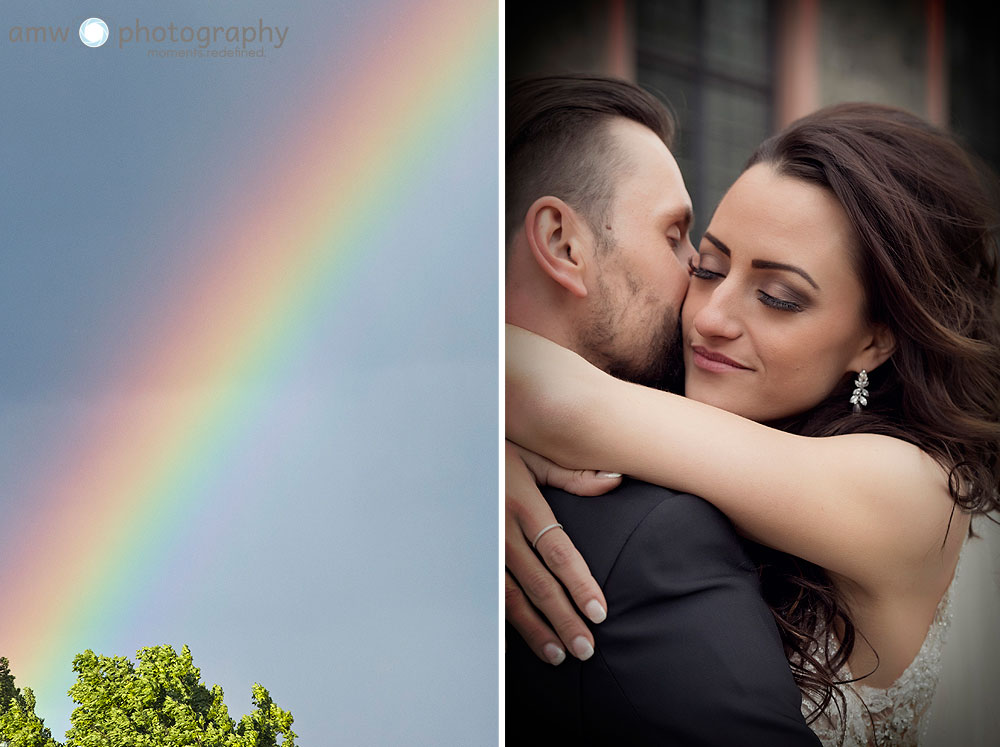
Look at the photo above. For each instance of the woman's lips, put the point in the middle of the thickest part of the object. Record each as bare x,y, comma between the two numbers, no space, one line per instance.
709,361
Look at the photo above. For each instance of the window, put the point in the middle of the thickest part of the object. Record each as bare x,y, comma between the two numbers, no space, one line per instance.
711,61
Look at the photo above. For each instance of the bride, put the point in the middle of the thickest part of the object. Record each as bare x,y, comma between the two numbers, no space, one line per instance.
842,356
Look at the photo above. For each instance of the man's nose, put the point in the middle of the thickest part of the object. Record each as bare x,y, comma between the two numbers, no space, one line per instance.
685,252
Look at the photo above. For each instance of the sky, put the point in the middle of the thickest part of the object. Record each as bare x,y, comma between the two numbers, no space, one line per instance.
249,359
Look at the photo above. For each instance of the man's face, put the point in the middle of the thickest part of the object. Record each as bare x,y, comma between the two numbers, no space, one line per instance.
641,277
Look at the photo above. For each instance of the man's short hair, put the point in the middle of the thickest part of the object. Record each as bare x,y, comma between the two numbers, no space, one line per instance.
558,142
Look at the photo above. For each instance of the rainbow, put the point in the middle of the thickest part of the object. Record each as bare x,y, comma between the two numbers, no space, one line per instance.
90,528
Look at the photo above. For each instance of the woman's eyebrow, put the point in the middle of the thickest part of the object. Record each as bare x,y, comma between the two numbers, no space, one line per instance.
722,247
763,264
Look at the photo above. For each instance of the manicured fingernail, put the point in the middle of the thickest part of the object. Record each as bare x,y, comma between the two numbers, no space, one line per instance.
554,654
595,611
582,649
609,475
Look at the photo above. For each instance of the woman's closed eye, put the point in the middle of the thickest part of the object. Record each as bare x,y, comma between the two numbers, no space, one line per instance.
778,303
773,302
701,273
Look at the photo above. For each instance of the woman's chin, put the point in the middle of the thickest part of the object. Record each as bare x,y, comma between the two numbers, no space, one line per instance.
707,395
698,392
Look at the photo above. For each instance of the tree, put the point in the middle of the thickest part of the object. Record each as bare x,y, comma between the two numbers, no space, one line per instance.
7,689
19,726
159,703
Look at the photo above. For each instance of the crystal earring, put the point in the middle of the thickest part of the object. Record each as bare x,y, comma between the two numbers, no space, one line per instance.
859,398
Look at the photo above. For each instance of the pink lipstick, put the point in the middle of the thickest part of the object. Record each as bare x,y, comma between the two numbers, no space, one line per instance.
710,361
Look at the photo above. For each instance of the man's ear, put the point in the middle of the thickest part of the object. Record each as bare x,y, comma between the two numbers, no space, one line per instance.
560,242
877,350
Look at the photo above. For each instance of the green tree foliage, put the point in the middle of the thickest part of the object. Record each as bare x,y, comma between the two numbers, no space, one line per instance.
19,726
159,703
7,689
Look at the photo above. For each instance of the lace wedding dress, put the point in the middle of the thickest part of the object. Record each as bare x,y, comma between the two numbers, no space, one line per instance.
959,653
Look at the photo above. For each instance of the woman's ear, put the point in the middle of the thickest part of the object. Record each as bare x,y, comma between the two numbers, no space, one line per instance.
560,242
879,347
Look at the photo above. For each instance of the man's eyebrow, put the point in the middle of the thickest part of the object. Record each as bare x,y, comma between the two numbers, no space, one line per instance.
687,217
763,264
680,215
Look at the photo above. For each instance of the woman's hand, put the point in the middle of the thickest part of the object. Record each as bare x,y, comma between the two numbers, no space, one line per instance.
534,597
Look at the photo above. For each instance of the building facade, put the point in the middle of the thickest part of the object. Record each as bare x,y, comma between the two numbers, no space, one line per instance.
736,71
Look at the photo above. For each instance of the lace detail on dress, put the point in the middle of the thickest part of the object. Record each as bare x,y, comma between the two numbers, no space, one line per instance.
896,715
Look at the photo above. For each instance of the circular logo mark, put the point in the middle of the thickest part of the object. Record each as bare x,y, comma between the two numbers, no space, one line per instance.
93,32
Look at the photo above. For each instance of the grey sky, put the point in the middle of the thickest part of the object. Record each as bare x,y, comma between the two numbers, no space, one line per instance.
342,550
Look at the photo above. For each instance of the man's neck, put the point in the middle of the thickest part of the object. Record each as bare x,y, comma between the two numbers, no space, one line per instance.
541,327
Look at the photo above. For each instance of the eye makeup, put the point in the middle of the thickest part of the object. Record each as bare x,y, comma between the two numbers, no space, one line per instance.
763,264
782,297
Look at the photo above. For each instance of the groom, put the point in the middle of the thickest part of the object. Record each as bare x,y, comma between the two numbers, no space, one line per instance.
681,649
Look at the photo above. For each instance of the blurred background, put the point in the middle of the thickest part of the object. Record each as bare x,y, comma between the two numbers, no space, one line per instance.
736,71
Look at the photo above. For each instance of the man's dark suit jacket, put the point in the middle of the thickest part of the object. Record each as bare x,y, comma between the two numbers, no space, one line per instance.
689,653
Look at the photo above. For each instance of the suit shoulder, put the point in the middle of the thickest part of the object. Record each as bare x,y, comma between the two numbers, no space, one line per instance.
684,534
632,502
600,526
668,523
684,518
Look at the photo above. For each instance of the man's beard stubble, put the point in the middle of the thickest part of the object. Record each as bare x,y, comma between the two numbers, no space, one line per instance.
660,365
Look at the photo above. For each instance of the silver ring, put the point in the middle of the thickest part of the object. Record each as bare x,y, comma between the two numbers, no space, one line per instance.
544,530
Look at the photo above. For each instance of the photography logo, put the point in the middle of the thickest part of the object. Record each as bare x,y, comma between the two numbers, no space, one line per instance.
171,40
94,32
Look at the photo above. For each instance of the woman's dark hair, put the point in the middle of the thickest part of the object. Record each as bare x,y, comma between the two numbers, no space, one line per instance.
925,248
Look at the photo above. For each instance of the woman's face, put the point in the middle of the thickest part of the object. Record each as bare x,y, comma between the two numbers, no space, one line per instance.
774,315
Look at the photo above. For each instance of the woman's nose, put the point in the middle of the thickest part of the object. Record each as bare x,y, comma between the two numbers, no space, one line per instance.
719,314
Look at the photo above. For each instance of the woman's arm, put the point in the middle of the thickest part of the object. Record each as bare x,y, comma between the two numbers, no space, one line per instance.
860,505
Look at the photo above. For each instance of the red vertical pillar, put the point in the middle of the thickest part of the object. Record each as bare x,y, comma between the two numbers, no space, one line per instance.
797,60
620,44
936,93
